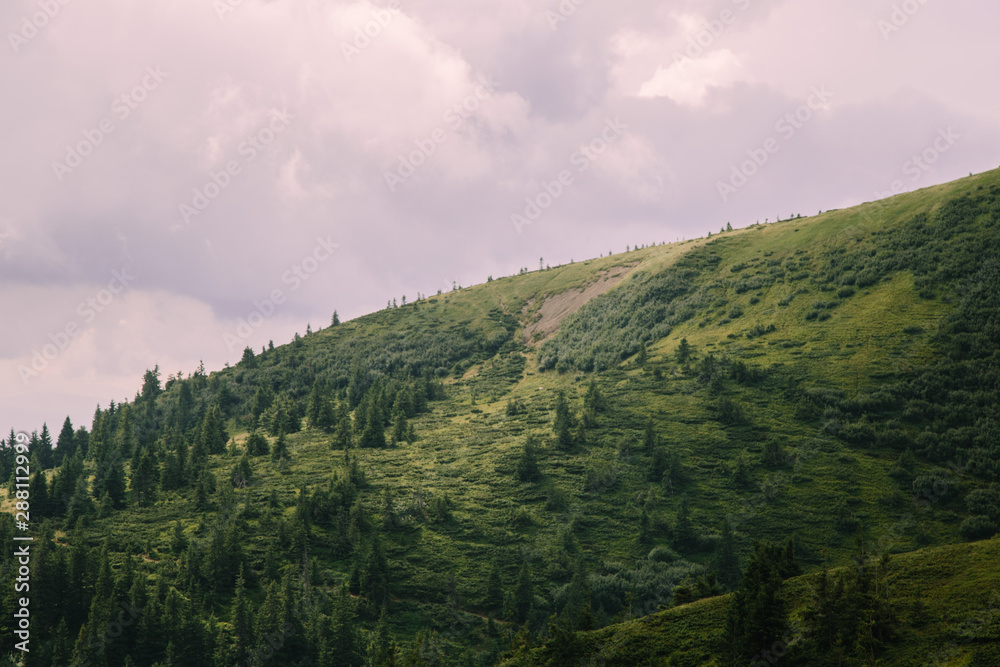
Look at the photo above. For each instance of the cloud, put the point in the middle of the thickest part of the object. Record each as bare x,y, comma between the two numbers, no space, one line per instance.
364,89
688,80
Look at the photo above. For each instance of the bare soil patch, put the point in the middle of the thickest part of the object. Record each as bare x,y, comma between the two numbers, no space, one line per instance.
549,316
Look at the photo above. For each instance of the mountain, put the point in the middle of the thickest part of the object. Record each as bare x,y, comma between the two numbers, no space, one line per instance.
687,434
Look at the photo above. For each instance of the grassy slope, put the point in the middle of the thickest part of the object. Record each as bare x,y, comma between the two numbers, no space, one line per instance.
958,585
467,451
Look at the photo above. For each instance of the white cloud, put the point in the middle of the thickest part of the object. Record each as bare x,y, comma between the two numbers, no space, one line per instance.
687,80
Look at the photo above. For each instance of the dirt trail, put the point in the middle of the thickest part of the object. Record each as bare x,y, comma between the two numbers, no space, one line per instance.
557,308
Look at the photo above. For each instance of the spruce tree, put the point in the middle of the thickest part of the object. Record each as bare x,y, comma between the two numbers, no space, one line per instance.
375,576
66,442
493,599
110,480
727,562
683,353
143,482
757,617
649,438
527,465
43,447
523,595
279,450
563,422
242,623
256,444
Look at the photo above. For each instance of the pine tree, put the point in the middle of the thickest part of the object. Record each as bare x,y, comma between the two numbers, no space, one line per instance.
563,422
80,504
279,450
493,599
242,473
375,577
256,444
727,562
757,617
143,483
644,531
38,492
171,472
390,520
399,429
202,491
249,360
649,438
327,418
527,465
43,448
343,432
523,595
683,353
66,442
110,480
262,400
313,404
178,543
684,536
373,435
242,622
213,431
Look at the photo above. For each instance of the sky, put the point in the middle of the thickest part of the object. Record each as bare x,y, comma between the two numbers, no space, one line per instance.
181,179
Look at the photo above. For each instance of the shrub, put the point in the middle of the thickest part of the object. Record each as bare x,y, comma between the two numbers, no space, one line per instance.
934,486
985,502
978,528
663,554
515,406
729,411
557,500
759,330
600,479
845,292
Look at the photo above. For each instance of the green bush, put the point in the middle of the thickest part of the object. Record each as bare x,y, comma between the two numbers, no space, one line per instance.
977,528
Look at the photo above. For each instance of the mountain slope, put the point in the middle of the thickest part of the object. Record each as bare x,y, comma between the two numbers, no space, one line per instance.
828,379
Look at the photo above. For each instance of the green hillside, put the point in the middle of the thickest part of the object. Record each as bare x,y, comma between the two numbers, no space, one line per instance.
478,475
947,600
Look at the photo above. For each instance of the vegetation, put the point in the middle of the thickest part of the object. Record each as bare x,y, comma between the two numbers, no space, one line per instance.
425,485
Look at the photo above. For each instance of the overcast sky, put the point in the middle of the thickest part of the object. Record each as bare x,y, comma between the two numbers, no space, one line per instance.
168,167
